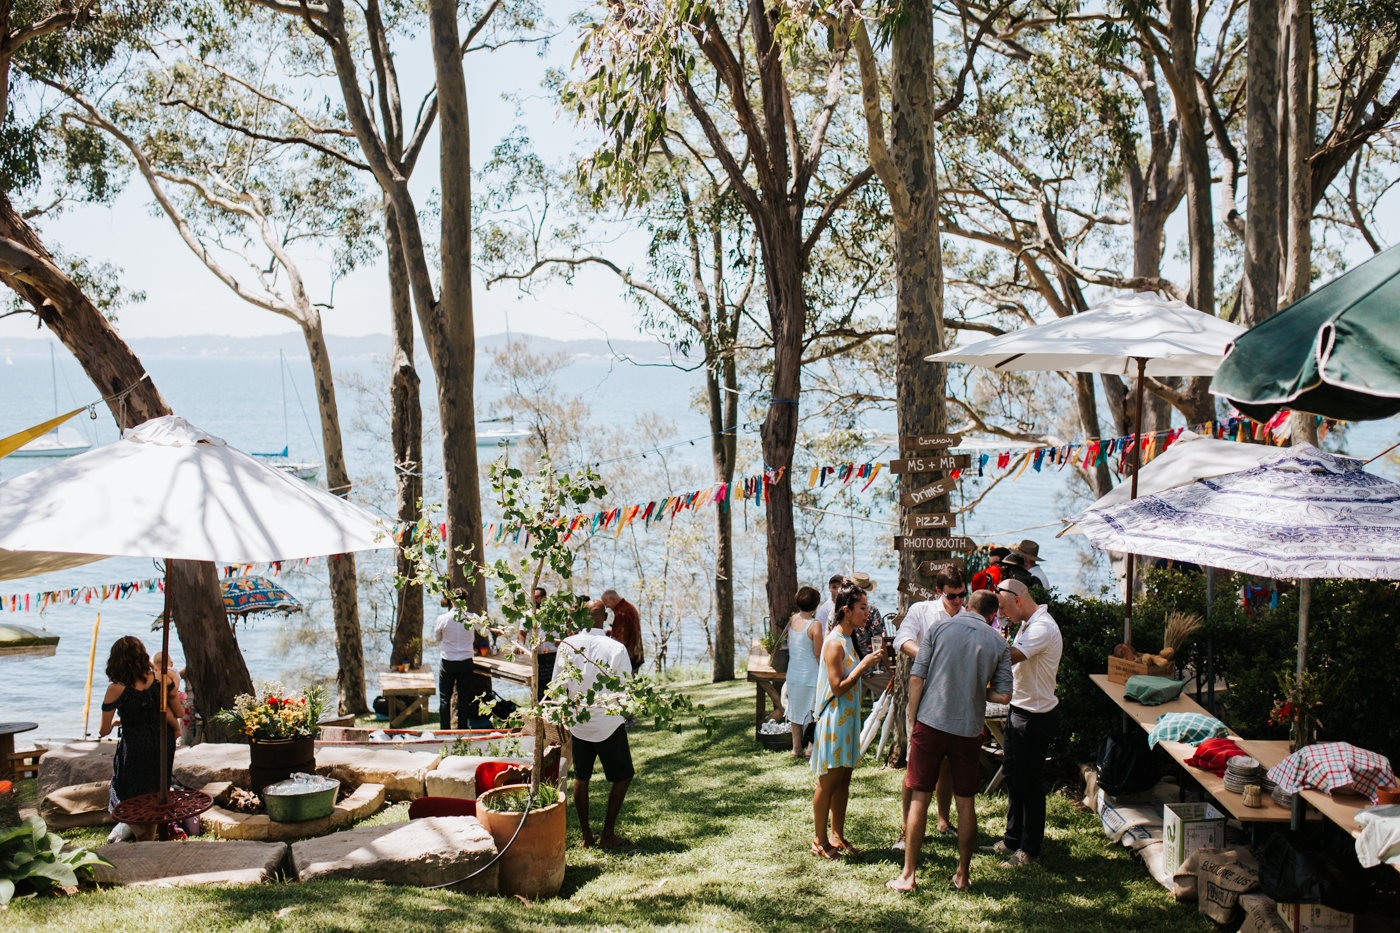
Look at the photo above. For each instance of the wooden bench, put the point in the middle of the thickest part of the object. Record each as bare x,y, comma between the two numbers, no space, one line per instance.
399,688
768,685
513,670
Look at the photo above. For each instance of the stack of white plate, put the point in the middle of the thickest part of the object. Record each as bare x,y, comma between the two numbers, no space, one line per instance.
1281,797
1241,771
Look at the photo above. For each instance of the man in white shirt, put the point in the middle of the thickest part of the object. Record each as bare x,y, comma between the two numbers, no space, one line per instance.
456,671
602,737
1031,724
917,621
1030,551
825,609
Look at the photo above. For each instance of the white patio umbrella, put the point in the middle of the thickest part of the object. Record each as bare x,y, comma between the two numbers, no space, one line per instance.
1193,457
169,490
1133,333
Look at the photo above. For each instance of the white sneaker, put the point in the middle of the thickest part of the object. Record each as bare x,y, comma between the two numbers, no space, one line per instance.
1020,859
121,833
999,849
898,845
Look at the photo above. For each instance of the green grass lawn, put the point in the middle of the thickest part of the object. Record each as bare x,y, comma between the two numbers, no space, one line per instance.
722,831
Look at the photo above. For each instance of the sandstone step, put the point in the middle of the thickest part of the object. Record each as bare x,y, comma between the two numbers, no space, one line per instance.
159,864
432,851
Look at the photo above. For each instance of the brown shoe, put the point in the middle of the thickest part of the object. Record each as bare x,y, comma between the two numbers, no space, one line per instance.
1020,859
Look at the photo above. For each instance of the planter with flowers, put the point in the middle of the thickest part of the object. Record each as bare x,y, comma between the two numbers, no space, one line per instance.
282,729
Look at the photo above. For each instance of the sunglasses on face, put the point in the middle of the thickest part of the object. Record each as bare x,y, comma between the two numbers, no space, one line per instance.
962,595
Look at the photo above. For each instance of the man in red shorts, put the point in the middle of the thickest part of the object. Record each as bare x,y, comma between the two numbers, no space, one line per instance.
948,696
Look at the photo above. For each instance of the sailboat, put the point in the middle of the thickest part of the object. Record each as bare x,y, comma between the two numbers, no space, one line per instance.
492,431
62,441
301,469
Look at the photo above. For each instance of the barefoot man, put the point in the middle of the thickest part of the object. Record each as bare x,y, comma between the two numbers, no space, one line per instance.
948,696
602,737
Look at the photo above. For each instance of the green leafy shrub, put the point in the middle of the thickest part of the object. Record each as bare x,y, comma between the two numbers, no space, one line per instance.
32,861
514,800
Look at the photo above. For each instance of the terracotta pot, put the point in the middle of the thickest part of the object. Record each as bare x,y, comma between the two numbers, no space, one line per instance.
1387,795
270,761
533,866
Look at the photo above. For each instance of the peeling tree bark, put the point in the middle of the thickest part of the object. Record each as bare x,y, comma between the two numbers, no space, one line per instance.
1261,239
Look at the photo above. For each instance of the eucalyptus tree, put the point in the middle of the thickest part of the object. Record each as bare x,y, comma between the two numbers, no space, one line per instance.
390,148
65,41
241,173
695,292
761,86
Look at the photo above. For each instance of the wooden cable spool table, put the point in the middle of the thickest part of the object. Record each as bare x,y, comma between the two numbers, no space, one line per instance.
8,731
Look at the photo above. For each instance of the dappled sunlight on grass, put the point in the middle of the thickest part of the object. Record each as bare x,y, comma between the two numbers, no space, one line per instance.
721,831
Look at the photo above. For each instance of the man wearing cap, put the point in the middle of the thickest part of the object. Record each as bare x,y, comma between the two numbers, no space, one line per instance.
1032,722
824,611
1030,552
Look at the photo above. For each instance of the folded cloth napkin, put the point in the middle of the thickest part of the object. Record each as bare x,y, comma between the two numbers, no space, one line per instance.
1189,728
1213,754
1333,766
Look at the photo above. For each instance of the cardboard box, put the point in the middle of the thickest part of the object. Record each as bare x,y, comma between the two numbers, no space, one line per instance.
1187,827
1119,670
1316,918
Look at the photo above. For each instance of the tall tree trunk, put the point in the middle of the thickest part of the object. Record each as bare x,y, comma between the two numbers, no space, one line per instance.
787,306
1261,238
345,589
1087,403
722,394
406,414
455,355
218,672
1298,148
920,386
1200,223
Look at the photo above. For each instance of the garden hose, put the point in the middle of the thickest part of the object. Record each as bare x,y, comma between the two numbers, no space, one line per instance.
529,799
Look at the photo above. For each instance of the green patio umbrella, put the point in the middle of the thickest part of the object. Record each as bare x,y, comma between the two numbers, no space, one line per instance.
18,642
1335,352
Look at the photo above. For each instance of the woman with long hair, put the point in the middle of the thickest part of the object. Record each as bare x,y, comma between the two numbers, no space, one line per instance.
134,693
804,656
837,743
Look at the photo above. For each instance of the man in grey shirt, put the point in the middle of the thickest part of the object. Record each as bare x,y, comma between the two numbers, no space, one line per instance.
948,696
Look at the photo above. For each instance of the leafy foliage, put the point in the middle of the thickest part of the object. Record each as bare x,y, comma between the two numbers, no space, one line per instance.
32,861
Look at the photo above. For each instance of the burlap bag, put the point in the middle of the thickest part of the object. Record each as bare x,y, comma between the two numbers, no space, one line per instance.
77,805
1261,915
1216,878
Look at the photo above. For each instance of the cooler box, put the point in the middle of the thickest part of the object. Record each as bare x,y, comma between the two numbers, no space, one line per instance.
1187,827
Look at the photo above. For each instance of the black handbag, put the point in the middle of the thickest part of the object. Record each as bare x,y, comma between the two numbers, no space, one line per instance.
1125,763
809,731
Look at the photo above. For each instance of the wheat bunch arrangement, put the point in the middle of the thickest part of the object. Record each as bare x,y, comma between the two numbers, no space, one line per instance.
1180,626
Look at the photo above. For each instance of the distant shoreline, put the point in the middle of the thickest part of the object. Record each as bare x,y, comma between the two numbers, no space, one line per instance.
344,348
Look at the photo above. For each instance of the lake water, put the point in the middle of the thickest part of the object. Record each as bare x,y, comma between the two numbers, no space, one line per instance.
241,400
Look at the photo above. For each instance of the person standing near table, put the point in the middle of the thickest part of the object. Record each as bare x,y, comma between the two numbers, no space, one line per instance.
134,693
948,696
1031,723
917,621
602,737
548,649
804,665
627,627
456,670
828,606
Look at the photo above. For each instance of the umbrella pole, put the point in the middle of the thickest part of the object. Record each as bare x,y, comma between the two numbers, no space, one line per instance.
1137,461
1210,645
164,700
1304,608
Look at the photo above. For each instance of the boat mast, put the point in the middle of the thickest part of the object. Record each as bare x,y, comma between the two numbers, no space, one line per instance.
286,431
53,371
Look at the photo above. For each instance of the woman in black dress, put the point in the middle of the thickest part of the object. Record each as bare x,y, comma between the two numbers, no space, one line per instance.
134,694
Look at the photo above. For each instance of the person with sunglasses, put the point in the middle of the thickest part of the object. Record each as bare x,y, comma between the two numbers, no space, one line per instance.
921,616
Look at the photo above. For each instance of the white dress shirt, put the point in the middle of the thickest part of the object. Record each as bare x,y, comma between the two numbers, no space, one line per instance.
1039,574
824,612
1039,640
592,651
918,619
455,639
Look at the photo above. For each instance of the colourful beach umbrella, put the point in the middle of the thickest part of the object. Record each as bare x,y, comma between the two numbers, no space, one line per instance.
248,595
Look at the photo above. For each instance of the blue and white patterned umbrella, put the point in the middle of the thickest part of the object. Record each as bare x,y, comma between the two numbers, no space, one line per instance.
1304,513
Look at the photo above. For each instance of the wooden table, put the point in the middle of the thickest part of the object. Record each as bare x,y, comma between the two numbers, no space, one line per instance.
8,731
768,685
1267,754
397,687
498,665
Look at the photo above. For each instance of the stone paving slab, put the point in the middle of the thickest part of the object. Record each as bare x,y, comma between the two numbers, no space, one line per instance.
75,763
455,775
160,864
431,851
367,800
401,772
212,761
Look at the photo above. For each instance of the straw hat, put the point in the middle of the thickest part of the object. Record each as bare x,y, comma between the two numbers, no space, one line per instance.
863,581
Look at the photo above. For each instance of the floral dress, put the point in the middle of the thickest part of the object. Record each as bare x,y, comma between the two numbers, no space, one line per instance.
837,742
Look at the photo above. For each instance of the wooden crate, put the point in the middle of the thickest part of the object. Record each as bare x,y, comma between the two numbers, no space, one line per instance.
1119,670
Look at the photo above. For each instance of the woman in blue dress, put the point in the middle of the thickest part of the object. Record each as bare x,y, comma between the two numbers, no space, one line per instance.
837,743
804,650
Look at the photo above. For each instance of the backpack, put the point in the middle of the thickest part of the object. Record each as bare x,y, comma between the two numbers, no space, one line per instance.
1125,763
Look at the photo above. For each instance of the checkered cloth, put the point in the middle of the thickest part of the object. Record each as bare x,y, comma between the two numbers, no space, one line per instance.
1333,766
1190,728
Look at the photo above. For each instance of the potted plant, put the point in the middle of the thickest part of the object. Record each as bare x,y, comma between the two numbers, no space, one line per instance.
281,727
542,506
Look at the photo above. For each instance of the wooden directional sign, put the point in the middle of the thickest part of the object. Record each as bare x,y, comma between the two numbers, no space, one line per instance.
925,442
931,491
934,520
930,567
938,463
917,591
933,543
